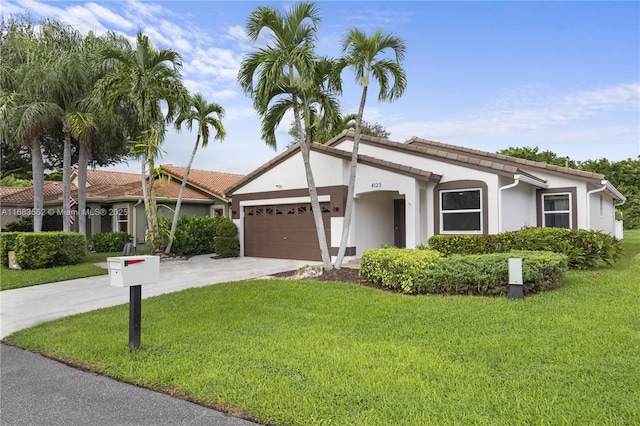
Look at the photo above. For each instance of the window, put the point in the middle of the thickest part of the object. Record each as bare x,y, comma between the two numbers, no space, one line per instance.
121,217
556,210
461,211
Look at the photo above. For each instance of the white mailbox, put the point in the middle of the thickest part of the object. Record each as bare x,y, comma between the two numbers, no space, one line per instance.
127,271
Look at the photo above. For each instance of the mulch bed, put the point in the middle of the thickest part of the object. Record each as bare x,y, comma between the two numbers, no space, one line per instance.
347,275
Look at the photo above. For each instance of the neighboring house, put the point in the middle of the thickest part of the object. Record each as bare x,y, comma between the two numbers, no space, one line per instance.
114,199
407,192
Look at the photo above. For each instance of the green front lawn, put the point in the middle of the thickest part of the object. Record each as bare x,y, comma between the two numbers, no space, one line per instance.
318,353
11,278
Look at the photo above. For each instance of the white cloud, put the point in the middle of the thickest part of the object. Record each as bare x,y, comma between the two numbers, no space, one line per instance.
526,112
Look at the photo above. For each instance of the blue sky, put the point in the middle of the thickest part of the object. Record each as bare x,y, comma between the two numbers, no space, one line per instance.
563,76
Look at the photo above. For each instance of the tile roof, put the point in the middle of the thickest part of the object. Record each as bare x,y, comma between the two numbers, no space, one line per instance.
106,186
492,159
52,190
106,177
210,181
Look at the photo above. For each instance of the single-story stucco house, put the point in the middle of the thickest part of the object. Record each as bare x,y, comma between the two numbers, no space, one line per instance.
115,203
407,192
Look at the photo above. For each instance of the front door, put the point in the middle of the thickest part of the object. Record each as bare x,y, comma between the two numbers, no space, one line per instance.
399,229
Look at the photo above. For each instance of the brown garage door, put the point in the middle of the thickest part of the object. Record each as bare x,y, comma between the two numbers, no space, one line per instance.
284,231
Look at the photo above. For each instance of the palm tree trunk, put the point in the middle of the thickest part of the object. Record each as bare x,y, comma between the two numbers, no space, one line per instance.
37,167
66,180
83,162
143,176
305,148
348,211
153,205
176,213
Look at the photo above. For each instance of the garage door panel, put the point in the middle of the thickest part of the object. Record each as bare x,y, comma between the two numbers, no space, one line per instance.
284,231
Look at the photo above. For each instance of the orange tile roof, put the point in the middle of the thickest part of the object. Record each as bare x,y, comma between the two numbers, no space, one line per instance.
104,185
106,177
210,181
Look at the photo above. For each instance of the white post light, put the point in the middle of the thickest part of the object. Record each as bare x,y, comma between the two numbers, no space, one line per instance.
516,287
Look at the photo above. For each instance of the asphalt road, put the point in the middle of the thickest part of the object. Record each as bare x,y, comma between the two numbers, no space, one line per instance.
39,391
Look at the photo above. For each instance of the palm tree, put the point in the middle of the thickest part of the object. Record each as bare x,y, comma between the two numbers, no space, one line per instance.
67,82
147,79
286,74
26,113
204,114
363,54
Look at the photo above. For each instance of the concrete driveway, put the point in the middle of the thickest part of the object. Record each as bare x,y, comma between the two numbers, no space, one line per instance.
29,306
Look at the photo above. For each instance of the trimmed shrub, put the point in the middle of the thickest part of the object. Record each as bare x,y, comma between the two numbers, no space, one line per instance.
108,242
226,243
24,224
582,247
488,274
35,250
194,235
8,242
396,268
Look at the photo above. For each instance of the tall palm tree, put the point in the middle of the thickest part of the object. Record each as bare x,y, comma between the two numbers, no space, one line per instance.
205,115
26,113
285,74
364,54
67,81
148,79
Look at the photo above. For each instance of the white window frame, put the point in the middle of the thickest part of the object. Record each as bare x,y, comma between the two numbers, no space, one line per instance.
544,212
116,208
444,212
217,208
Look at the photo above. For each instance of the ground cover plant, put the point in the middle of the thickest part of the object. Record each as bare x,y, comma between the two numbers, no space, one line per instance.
10,278
319,353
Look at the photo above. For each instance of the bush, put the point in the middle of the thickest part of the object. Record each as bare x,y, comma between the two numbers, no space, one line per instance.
488,274
24,224
108,242
583,248
35,250
226,243
194,235
396,268
7,243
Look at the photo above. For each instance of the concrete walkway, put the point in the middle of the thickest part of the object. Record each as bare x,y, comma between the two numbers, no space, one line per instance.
29,306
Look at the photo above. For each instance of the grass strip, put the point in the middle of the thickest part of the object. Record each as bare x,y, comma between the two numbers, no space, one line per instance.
18,278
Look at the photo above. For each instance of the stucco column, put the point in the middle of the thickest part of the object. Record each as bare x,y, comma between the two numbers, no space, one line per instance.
412,216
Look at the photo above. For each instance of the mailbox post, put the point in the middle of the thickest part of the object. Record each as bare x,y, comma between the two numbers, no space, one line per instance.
134,272
516,287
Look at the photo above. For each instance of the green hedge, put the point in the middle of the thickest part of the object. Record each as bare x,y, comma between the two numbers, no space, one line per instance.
7,244
194,235
415,271
226,243
583,248
488,274
109,242
396,268
35,250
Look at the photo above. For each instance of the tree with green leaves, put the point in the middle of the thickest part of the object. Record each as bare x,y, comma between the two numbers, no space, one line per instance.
146,80
204,115
534,154
365,55
287,76
26,112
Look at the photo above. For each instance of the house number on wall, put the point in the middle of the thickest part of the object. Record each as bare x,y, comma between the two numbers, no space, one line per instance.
376,185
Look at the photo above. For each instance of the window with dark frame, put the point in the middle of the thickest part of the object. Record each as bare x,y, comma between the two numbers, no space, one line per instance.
556,210
461,211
